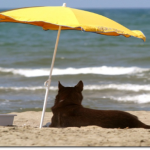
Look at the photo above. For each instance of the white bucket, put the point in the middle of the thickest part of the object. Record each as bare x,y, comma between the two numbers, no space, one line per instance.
6,119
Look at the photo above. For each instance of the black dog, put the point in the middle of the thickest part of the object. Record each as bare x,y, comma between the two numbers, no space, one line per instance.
68,112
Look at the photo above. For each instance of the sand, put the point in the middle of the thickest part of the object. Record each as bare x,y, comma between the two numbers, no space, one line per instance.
25,132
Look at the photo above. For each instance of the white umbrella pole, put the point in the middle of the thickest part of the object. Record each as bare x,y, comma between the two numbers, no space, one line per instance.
48,82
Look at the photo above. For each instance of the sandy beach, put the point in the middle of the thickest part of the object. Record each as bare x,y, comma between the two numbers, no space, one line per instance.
25,132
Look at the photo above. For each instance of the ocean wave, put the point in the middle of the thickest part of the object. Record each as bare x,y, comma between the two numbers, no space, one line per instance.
4,102
123,87
103,70
140,99
120,87
27,88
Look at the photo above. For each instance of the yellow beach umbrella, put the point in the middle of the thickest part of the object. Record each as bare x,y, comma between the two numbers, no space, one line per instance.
66,18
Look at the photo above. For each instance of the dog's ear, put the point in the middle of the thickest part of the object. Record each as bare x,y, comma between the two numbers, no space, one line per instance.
80,86
60,86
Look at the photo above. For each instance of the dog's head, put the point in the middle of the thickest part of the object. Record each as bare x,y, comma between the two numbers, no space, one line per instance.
69,95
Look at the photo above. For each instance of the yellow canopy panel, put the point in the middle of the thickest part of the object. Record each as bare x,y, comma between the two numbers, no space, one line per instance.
69,19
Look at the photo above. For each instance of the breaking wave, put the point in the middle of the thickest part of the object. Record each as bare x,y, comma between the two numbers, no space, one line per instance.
141,99
123,87
103,70
138,98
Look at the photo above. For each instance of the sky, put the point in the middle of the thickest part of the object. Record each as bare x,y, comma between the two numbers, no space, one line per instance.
77,3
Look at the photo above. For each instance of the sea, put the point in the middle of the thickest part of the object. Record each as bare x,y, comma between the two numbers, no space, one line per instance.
115,70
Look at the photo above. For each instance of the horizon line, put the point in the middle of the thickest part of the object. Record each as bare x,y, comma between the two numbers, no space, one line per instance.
85,7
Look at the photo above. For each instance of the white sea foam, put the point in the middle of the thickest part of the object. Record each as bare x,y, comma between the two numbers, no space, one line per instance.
33,88
104,70
5,102
123,87
144,98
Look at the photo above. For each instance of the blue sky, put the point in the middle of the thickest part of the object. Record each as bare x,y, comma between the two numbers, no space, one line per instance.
77,3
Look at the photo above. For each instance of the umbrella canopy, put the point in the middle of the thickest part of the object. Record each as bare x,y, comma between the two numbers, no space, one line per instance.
65,18
69,19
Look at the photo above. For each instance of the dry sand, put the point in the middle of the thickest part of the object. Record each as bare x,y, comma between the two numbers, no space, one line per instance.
25,132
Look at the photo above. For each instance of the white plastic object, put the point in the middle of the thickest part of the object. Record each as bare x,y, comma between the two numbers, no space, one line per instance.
6,119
